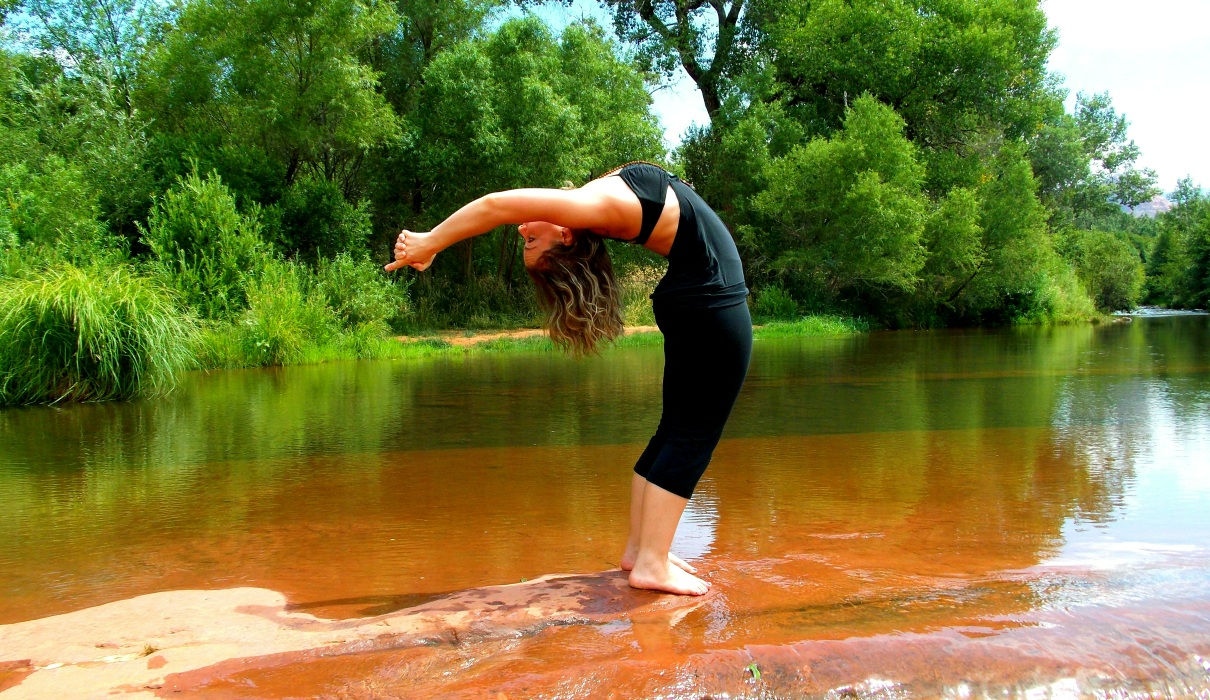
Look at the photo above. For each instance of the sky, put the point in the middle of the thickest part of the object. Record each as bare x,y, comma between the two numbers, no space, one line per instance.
1152,57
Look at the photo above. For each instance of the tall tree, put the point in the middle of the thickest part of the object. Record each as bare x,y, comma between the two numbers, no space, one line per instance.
1086,163
955,70
267,90
523,108
707,38
104,39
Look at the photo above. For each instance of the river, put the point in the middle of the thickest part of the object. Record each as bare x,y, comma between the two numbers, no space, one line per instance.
965,513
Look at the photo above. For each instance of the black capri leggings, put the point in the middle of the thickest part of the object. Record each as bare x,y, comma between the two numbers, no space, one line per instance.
706,353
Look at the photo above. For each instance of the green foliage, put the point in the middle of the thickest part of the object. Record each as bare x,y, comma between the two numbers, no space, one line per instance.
58,116
710,41
314,221
1178,267
49,207
89,334
359,293
1109,267
1010,284
954,69
101,39
954,240
483,301
811,326
521,107
518,107
272,88
848,211
283,317
638,281
772,303
203,246
1085,164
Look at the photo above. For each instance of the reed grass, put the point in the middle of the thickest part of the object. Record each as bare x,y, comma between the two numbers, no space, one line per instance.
78,334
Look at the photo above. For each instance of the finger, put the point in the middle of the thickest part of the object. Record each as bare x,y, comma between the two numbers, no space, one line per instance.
392,266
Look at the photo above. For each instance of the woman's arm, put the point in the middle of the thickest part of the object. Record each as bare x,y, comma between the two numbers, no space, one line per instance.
594,208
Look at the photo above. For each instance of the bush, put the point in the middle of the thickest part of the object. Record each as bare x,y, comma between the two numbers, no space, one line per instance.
481,302
773,303
89,335
47,207
1066,297
358,291
283,318
313,221
203,246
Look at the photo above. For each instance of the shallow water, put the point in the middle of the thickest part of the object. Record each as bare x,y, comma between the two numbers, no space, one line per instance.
893,514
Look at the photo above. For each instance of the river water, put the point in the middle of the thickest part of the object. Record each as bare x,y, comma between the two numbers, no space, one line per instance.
895,514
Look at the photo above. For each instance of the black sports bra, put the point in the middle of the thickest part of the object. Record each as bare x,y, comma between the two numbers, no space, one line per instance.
650,184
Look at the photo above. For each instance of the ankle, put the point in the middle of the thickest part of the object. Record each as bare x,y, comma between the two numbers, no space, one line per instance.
646,559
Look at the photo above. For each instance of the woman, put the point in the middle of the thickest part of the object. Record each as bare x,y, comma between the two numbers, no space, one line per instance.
700,307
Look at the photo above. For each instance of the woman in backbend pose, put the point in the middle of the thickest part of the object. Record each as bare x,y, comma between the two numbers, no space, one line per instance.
699,307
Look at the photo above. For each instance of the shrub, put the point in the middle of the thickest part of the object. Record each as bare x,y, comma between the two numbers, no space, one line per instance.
283,318
47,207
1067,299
203,246
773,303
483,301
314,221
638,282
77,334
359,293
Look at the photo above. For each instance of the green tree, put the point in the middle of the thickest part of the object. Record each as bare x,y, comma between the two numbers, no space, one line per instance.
269,90
709,39
52,116
103,39
955,70
847,213
522,108
954,240
1010,283
1085,164
1178,266
1108,265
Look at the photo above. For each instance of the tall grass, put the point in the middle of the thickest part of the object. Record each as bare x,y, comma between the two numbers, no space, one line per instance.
76,334
638,282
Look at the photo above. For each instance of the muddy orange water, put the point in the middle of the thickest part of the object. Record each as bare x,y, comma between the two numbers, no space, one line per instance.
901,514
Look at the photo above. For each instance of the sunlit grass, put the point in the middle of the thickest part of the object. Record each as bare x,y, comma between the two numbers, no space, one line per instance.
74,334
808,326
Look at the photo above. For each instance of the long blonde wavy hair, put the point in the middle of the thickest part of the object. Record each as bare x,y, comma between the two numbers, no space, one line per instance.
579,293
578,290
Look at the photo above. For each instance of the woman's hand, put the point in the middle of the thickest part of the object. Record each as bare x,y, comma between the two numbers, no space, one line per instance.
412,249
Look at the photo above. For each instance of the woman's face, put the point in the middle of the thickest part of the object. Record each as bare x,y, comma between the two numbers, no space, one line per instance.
539,237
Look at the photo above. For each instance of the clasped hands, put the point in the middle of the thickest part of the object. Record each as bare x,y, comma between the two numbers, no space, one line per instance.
411,250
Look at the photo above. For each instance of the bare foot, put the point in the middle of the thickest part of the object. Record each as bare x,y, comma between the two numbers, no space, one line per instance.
629,557
667,578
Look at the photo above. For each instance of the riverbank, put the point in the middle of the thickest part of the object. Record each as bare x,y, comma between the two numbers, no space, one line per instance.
635,336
